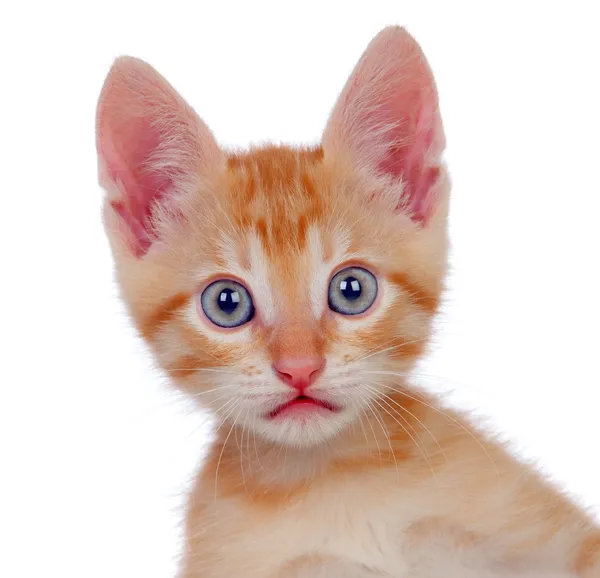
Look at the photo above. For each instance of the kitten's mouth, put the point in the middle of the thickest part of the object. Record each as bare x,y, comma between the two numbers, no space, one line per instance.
302,403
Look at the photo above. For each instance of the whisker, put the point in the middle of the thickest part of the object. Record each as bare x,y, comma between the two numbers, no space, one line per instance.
364,401
201,393
362,427
230,410
425,456
400,345
280,450
241,450
216,411
450,418
247,446
421,375
392,400
256,451
387,436
221,454
379,346
378,394
211,369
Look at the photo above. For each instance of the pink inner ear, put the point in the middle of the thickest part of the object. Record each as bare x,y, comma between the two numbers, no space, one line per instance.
151,145
387,117
128,164
408,161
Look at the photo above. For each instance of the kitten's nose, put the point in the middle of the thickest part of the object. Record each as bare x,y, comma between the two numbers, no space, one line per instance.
299,372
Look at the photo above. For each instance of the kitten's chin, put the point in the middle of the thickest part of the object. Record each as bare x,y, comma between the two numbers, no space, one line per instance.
303,427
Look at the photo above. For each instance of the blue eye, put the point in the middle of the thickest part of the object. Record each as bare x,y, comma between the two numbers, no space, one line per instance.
352,291
227,303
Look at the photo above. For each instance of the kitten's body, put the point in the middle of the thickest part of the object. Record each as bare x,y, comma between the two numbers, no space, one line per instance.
472,512
370,478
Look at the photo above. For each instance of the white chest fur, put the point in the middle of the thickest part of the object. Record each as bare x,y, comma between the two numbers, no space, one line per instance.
361,521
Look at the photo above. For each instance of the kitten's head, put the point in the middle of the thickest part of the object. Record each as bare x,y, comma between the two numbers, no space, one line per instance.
286,289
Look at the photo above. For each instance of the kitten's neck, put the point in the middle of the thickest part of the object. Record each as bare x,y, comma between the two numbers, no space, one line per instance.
242,462
257,463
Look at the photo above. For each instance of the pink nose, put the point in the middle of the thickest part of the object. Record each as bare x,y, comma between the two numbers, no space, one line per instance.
299,372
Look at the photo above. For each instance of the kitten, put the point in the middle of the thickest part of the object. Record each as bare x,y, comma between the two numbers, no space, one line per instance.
292,290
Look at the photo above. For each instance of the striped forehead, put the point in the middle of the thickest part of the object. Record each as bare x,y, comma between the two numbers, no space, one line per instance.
293,283
278,194
286,237
286,283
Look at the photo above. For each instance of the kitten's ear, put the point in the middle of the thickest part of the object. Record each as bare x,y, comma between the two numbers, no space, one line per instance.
387,119
151,146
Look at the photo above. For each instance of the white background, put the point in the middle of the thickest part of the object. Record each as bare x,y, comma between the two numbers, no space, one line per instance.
94,452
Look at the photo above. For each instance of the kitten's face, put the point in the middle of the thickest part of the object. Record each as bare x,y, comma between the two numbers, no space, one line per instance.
295,286
286,289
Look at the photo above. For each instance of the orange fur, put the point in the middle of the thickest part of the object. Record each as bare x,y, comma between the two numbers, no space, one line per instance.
393,483
588,555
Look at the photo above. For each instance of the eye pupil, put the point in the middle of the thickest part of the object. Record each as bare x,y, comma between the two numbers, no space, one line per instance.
228,301
350,288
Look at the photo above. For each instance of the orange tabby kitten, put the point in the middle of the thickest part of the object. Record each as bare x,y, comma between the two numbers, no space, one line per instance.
291,290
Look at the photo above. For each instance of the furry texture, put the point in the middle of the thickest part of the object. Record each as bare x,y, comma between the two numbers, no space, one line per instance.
391,483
